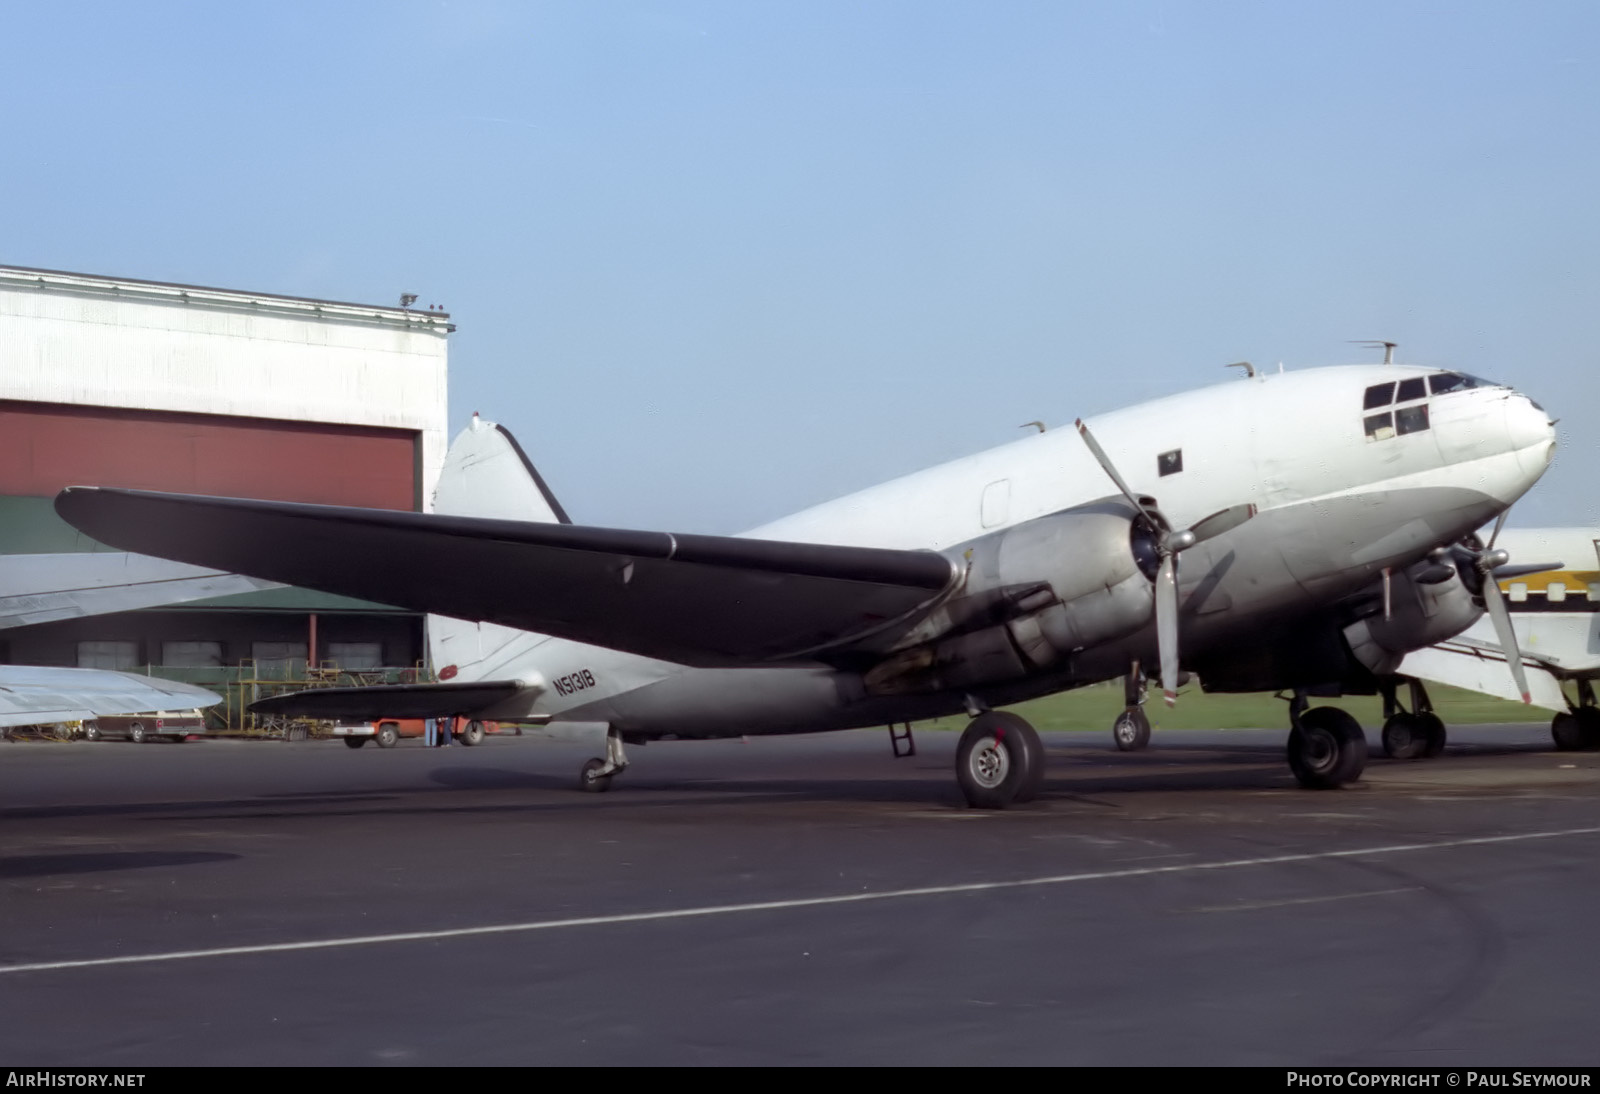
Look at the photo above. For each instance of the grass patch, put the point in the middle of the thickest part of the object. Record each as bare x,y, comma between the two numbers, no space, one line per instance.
1095,707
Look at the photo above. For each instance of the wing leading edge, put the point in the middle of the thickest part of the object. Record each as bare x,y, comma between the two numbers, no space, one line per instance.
699,600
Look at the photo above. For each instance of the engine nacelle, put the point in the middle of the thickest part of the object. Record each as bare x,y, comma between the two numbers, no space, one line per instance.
1421,615
1087,576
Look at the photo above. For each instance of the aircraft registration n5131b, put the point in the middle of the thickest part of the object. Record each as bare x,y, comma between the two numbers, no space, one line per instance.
1264,534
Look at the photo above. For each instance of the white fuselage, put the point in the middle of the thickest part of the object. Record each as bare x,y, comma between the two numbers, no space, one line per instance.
1341,496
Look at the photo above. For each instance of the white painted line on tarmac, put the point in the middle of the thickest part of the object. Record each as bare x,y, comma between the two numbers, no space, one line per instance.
785,905
1259,905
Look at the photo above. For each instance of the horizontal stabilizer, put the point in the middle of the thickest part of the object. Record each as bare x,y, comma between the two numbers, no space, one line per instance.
368,704
699,600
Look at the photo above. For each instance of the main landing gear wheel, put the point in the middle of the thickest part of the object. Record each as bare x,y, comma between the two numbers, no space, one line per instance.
1131,730
1327,749
1577,730
1404,737
999,761
1433,730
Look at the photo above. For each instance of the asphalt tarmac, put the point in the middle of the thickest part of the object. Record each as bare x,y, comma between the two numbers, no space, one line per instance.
804,900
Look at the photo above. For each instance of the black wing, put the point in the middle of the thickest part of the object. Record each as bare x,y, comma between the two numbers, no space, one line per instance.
700,600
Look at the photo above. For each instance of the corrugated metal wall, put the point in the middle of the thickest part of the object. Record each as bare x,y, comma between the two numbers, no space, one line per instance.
45,447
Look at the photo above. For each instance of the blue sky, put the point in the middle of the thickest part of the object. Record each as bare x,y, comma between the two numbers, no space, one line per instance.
714,262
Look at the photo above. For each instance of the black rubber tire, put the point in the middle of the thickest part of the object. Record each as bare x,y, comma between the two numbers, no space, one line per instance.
1328,751
1404,737
999,761
136,733
388,735
91,732
589,781
1433,729
354,742
472,735
1131,730
1588,728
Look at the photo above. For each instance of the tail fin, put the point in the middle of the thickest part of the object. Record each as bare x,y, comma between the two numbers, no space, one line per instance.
486,474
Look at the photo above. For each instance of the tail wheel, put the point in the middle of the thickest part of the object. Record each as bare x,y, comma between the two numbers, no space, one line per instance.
999,761
591,779
1327,750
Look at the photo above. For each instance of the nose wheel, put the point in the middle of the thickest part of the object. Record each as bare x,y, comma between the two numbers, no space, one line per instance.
999,761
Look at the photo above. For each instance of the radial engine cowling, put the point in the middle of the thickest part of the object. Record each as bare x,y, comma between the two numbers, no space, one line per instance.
1427,605
1035,593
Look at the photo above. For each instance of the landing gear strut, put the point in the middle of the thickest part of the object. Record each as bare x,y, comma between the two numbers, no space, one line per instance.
1327,748
999,761
1131,730
1578,729
595,776
1409,735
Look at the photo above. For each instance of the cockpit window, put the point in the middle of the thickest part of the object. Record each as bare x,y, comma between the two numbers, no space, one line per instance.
1441,382
1414,388
1380,427
1411,419
1379,395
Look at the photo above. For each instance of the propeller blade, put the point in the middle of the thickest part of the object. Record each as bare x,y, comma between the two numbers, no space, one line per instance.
1505,635
1499,523
1506,573
1222,521
1111,472
1167,625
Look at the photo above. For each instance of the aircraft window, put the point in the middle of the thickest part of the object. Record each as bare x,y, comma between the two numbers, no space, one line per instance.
1594,590
1556,592
1379,395
1411,419
1380,427
1441,382
1518,592
1414,388
1170,463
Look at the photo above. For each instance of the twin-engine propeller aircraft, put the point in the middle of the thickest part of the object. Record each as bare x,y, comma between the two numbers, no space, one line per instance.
1244,532
1554,610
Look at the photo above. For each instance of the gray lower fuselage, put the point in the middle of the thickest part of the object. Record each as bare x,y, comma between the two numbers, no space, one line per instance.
1289,562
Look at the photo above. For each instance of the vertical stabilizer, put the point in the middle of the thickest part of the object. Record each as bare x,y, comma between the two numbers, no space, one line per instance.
486,474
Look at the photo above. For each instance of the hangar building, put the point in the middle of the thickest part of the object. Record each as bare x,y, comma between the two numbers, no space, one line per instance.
110,381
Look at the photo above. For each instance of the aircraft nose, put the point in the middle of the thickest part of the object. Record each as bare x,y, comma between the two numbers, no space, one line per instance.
1532,433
